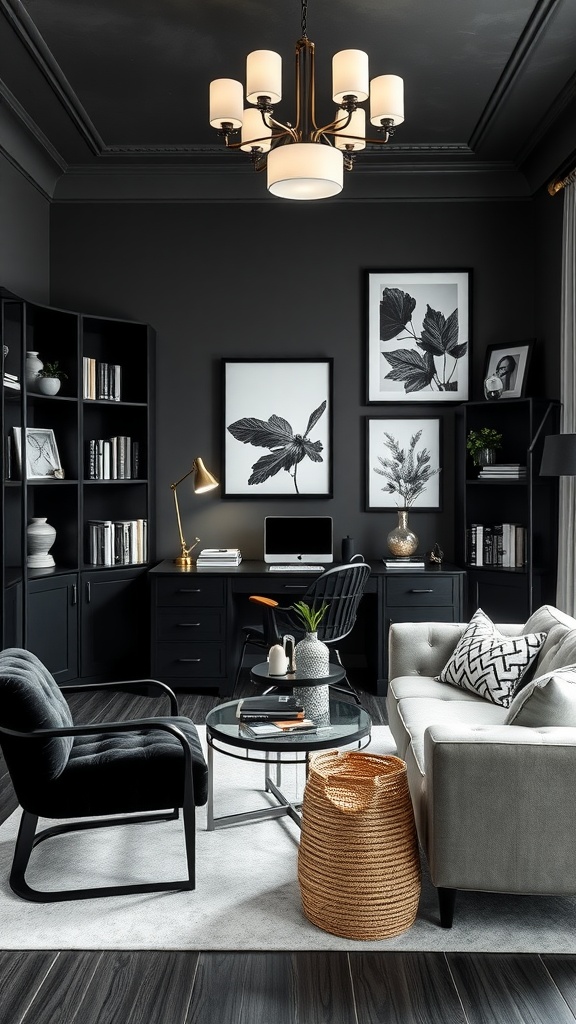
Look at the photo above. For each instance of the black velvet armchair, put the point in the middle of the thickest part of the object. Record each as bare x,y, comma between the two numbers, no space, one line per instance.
140,770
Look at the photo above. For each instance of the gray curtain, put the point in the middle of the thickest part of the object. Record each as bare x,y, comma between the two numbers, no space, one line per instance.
566,589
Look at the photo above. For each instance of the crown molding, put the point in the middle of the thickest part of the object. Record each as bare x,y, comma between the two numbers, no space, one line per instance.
26,147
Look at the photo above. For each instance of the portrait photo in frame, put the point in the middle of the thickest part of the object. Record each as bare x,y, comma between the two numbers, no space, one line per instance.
510,363
418,336
277,429
42,458
403,463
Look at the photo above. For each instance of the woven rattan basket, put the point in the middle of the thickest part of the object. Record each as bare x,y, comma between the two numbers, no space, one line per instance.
358,863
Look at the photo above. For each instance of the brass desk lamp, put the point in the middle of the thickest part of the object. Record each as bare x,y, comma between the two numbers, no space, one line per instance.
203,481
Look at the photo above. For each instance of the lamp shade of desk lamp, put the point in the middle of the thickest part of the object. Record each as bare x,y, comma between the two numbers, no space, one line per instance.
203,481
559,455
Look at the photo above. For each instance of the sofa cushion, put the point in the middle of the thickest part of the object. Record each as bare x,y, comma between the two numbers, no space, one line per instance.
417,715
547,701
559,647
489,663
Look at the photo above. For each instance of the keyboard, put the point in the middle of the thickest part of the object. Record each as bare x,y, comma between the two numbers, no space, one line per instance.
296,568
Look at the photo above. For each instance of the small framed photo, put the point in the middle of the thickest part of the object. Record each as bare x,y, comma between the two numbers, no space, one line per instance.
42,458
277,431
418,336
403,463
506,368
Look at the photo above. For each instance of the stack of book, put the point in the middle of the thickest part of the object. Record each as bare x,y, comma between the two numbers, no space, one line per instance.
11,381
273,715
219,557
117,542
114,458
502,546
410,562
101,380
503,471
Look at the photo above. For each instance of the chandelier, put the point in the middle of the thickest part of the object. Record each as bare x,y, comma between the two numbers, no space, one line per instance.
304,161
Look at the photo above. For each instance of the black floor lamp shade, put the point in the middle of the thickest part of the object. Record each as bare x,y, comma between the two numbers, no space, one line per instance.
559,455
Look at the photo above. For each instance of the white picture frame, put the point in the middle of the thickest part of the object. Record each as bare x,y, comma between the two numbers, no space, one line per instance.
42,458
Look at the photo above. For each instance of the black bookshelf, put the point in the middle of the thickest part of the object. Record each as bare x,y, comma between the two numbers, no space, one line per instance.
81,615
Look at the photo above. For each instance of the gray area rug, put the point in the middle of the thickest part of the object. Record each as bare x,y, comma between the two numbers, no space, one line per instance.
247,895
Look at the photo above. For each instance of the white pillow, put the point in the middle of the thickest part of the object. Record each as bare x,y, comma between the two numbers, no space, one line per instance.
547,701
488,663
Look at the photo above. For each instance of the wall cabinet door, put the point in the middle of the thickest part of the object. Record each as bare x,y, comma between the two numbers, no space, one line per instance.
115,625
52,624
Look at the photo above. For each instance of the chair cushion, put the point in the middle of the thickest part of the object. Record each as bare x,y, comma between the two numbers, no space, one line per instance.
120,773
490,664
546,702
31,699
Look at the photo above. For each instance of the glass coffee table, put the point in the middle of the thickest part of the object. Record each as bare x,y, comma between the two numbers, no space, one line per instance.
349,724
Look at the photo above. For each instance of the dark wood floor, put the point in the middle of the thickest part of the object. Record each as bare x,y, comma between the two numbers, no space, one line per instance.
274,988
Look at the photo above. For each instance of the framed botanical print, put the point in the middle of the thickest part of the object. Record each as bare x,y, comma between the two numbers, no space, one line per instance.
277,429
418,336
42,458
403,463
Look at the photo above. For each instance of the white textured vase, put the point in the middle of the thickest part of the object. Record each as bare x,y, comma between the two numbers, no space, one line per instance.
33,367
312,657
315,701
40,538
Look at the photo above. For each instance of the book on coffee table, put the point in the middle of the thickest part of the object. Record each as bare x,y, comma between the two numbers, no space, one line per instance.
271,706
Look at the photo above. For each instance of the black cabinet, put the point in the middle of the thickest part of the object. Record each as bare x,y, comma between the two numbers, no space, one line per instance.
92,480
527,503
52,624
114,618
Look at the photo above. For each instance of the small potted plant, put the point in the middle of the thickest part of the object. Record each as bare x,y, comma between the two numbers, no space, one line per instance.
312,659
50,378
482,444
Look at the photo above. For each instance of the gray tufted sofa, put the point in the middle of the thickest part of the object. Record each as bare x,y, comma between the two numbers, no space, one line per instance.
494,803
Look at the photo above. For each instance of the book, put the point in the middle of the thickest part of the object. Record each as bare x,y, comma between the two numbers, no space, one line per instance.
261,729
296,726
410,562
272,707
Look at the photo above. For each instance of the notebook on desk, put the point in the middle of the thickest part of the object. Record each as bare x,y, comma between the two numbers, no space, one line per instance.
299,541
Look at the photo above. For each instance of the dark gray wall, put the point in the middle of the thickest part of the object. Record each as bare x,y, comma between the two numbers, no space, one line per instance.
24,235
272,279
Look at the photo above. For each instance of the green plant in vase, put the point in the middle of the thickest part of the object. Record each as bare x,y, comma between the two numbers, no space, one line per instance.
482,444
309,616
312,662
49,379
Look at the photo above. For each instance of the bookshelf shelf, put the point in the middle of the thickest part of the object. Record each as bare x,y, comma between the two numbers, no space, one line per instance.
509,593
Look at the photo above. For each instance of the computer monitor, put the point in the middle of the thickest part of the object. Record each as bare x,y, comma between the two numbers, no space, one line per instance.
293,539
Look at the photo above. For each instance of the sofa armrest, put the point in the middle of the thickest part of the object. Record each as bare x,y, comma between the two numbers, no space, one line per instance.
499,808
421,648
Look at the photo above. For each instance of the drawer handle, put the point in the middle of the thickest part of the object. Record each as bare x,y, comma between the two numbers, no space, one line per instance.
184,590
421,591
187,623
294,586
190,659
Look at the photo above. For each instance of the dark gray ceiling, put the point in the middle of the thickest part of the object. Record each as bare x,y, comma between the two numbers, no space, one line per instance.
124,83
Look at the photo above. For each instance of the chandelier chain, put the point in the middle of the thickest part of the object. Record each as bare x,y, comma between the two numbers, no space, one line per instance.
304,17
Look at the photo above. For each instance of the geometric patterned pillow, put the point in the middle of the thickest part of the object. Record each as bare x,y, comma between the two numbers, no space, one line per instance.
488,663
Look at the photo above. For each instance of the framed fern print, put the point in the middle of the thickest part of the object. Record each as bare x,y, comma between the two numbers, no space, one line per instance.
403,463
277,428
418,336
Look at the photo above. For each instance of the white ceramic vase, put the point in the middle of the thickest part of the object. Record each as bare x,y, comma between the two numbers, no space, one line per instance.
315,701
47,385
33,367
312,657
40,538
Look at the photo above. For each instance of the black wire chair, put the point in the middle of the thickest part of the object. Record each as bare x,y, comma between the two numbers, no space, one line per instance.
340,588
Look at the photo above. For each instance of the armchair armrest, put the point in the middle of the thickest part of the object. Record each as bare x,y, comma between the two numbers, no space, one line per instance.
500,809
128,684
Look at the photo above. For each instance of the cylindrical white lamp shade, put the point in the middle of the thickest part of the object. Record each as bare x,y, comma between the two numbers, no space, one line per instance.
356,128
226,102
255,134
264,76
350,75
305,170
387,99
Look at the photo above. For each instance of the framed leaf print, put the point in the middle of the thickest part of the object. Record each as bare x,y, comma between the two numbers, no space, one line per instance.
277,428
403,463
418,336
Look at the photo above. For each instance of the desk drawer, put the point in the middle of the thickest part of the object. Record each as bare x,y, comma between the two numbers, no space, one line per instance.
182,624
420,591
191,660
190,591
274,585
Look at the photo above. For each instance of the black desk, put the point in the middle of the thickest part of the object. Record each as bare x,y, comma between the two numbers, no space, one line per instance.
197,616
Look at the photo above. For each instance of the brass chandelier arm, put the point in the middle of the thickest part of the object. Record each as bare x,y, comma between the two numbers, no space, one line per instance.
558,184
